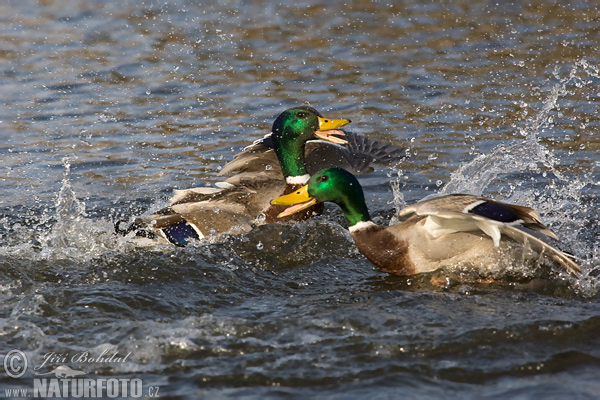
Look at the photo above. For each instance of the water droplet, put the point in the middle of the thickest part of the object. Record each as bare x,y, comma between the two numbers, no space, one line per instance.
268,167
259,246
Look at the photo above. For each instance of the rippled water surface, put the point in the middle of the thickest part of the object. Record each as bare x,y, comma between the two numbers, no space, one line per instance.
108,106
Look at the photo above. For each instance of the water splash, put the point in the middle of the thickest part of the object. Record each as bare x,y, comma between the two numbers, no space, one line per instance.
523,155
73,235
399,202
560,202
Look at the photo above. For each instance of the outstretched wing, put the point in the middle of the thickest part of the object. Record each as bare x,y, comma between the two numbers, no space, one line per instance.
359,156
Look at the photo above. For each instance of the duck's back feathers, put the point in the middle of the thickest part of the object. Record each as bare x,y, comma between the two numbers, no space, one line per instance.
455,214
251,195
477,206
257,158
359,156
193,194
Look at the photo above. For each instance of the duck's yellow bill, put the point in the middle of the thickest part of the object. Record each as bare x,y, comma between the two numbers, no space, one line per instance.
299,200
329,127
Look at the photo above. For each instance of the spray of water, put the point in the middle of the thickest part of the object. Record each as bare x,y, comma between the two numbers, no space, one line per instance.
521,155
560,203
73,235
399,202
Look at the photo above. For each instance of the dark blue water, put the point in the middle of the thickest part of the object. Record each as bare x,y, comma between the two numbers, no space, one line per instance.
108,106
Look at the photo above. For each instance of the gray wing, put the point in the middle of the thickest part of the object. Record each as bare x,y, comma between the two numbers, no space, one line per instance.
470,205
253,194
257,158
212,211
464,213
358,157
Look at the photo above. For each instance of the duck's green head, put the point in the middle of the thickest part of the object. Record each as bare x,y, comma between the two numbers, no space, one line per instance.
293,128
332,184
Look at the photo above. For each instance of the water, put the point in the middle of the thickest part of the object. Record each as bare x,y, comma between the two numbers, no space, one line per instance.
108,106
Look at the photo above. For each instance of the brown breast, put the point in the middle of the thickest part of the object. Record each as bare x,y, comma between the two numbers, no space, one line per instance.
384,250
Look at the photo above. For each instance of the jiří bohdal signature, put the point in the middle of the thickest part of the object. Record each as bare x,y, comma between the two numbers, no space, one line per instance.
63,371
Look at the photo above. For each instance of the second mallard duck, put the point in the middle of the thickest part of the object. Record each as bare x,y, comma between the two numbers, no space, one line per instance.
454,230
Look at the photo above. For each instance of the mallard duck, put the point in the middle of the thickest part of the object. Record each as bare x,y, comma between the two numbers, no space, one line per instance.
275,165
453,230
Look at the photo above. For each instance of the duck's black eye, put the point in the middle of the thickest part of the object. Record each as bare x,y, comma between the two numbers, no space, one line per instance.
323,178
301,115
